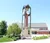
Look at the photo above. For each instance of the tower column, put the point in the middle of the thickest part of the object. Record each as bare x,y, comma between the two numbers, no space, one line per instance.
26,12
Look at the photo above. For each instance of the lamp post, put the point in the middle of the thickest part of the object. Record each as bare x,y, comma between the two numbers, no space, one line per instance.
26,13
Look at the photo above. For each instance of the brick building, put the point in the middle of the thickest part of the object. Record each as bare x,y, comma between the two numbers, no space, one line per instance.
39,28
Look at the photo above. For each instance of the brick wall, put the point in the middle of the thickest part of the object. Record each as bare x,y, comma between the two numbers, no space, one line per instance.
43,32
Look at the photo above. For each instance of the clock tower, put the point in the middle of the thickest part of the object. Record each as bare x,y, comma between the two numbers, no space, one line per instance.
26,14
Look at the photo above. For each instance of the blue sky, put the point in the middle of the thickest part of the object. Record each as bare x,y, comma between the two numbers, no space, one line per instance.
11,10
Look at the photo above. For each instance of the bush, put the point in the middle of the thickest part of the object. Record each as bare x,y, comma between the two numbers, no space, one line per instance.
40,37
15,37
1,36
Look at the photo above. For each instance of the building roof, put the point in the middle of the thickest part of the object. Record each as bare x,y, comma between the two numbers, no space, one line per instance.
35,25
38,25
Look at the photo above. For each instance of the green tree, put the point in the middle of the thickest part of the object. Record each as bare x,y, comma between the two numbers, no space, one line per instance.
9,31
3,28
14,29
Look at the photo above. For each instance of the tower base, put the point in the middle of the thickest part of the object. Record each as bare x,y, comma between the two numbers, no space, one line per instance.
25,34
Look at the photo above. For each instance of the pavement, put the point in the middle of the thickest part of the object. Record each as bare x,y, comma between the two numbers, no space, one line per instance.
31,41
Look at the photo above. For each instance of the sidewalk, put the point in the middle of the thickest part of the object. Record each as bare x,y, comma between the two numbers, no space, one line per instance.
31,41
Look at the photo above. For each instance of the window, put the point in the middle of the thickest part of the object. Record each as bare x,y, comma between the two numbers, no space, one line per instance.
34,32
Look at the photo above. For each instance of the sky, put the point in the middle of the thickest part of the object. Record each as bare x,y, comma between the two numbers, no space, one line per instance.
11,11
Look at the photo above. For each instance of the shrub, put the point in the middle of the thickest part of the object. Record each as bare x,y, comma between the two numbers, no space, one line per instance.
1,36
40,37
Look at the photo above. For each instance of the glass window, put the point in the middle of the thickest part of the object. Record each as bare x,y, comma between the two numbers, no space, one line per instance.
34,32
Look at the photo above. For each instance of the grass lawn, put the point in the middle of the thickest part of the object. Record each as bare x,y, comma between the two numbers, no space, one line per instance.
5,39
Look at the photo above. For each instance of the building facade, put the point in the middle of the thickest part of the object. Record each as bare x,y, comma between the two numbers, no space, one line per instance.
37,28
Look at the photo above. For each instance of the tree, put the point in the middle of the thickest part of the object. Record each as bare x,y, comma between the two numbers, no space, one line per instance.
3,28
14,29
9,31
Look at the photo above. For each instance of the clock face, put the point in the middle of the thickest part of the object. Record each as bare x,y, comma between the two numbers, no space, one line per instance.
27,11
